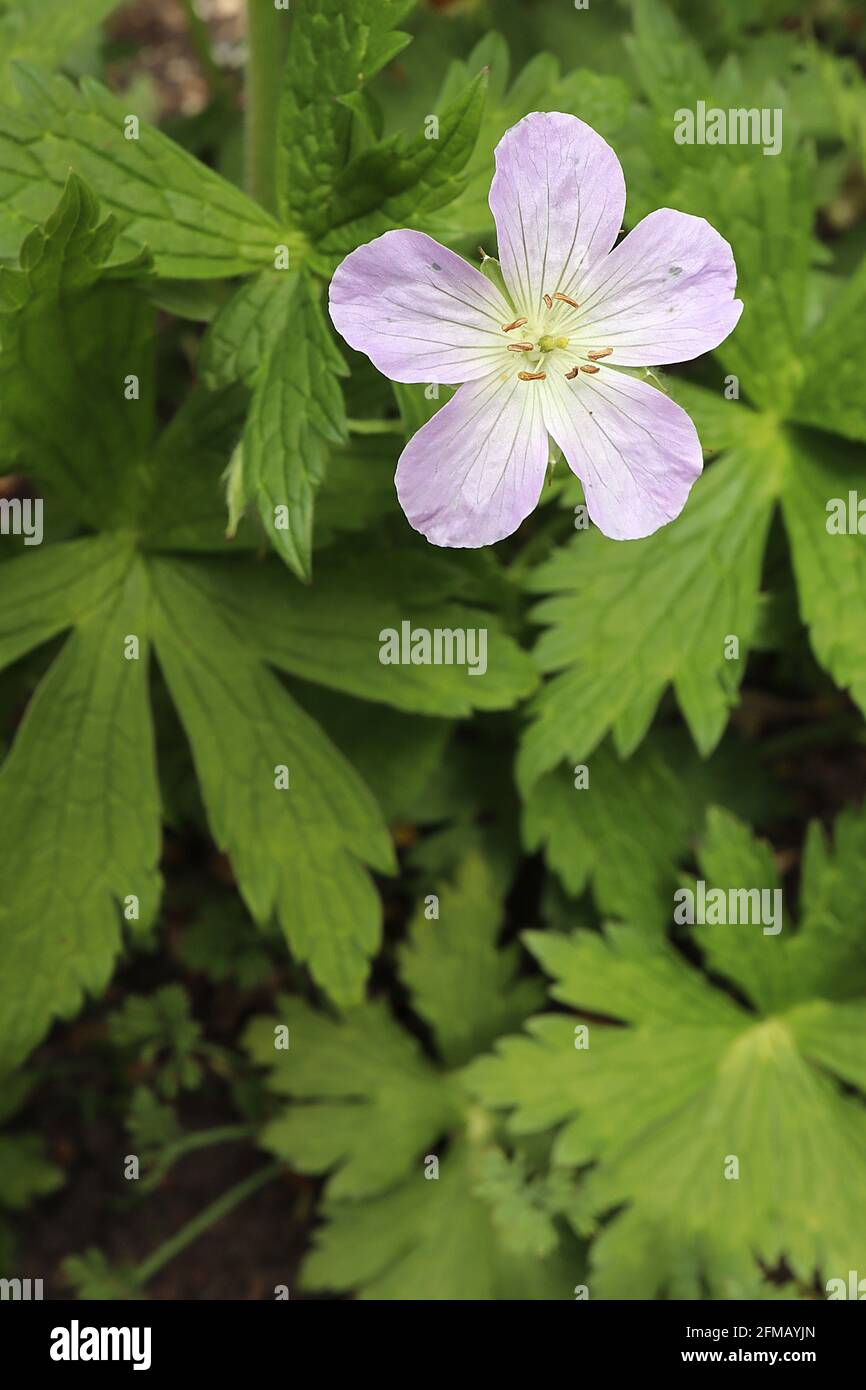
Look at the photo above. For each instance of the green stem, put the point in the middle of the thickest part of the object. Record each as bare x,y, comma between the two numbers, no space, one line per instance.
375,427
188,1143
201,1223
267,35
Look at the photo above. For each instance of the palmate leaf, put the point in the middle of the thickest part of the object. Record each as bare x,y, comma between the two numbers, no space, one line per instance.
624,621
371,1110
334,50
297,850
641,812
462,984
195,224
79,787
331,632
372,1100
695,1080
299,853
433,1240
825,956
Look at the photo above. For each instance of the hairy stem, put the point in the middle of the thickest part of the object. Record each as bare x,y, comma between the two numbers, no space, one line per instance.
267,35
188,1143
201,1223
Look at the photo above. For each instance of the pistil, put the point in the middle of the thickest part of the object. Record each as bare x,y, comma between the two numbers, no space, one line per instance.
548,342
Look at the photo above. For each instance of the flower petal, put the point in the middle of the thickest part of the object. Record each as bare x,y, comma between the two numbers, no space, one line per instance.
473,472
418,311
635,451
665,294
558,198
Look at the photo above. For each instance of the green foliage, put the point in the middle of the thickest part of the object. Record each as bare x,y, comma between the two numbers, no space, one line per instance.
641,812
195,224
273,336
193,683
371,1110
298,845
93,1278
219,944
624,621
159,1029
297,852
152,1125
80,785
26,1173
695,1080
338,180
332,56
45,31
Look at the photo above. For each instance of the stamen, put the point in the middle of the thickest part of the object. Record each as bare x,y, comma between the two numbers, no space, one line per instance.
569,376
565,300
548,301
518,323
520,347
597,356
590,370
532,376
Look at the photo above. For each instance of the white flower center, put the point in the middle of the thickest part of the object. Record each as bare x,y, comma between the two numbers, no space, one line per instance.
549,341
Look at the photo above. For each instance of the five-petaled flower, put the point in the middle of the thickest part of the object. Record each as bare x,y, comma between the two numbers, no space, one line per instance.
543,360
